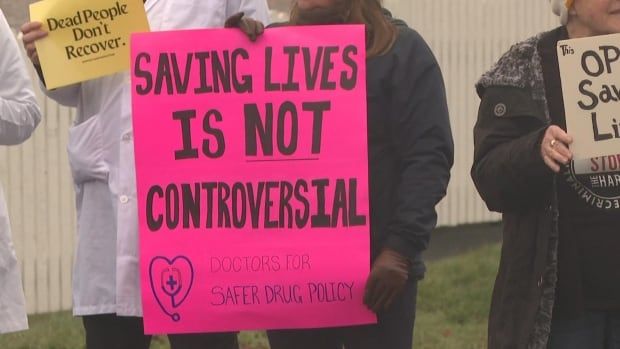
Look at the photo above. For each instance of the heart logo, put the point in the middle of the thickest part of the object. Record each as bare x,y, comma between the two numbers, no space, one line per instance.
171,282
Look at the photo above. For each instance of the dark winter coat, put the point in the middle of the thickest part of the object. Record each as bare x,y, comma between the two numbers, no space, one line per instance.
512,178
410,146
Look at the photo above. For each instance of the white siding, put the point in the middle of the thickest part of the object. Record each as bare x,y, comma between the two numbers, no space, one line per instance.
39,193
467,36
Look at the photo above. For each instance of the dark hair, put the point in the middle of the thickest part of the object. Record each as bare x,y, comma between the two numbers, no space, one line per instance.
380,32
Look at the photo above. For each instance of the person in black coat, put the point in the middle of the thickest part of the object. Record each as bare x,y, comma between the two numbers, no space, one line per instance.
410,153
558,284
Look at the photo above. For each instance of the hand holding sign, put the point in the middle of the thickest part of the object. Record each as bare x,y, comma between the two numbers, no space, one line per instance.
250,27
387,280
32,31
554,148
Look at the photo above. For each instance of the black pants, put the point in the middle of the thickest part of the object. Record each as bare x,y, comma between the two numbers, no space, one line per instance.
394,330
117,332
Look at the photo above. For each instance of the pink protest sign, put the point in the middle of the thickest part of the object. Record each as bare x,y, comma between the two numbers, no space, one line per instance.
252,178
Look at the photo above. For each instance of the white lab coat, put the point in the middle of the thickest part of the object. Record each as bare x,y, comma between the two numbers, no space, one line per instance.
106,274
19,115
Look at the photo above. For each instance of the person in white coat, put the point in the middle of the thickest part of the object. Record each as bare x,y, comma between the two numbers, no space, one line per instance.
19,115
106,282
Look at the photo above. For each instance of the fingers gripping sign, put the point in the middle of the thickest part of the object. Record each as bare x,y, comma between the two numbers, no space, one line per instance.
554,148
32,31
250,27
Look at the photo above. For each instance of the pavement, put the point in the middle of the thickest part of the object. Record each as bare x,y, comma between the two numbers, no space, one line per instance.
452,241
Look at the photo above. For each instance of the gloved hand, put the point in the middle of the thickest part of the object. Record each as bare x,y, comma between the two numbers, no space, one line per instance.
251,27
387,280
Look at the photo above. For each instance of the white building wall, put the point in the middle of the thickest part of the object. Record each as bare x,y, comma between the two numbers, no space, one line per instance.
467,36
40,198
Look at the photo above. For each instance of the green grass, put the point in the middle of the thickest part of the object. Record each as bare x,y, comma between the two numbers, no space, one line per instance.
454,300
453,304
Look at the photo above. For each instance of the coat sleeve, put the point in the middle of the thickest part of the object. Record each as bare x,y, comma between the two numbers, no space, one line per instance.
420,129
68,96
508,169
19,112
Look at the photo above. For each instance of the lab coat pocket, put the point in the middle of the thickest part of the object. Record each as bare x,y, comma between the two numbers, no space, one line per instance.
85,149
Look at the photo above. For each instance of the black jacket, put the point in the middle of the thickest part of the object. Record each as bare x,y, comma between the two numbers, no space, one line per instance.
410,146
409,143
512,178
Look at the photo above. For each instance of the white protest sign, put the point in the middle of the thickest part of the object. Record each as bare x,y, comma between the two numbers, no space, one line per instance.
590,71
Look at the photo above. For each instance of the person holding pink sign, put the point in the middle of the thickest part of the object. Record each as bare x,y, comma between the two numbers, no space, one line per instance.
106,282
558,284
410,155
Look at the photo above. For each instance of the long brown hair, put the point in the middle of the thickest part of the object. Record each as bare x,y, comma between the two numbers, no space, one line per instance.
380,32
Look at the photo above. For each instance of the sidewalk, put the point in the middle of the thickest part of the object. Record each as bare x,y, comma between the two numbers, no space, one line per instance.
452,241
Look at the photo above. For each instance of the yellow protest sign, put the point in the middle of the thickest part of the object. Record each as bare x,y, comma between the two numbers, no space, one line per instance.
87,38
590,70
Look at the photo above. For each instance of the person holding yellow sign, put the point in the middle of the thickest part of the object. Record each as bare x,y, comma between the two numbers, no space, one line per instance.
19,115
558,284
106,282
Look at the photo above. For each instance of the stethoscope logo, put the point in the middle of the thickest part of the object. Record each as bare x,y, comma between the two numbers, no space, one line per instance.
171,281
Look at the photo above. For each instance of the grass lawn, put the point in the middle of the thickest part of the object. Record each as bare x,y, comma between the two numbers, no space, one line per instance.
454,300
453,303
